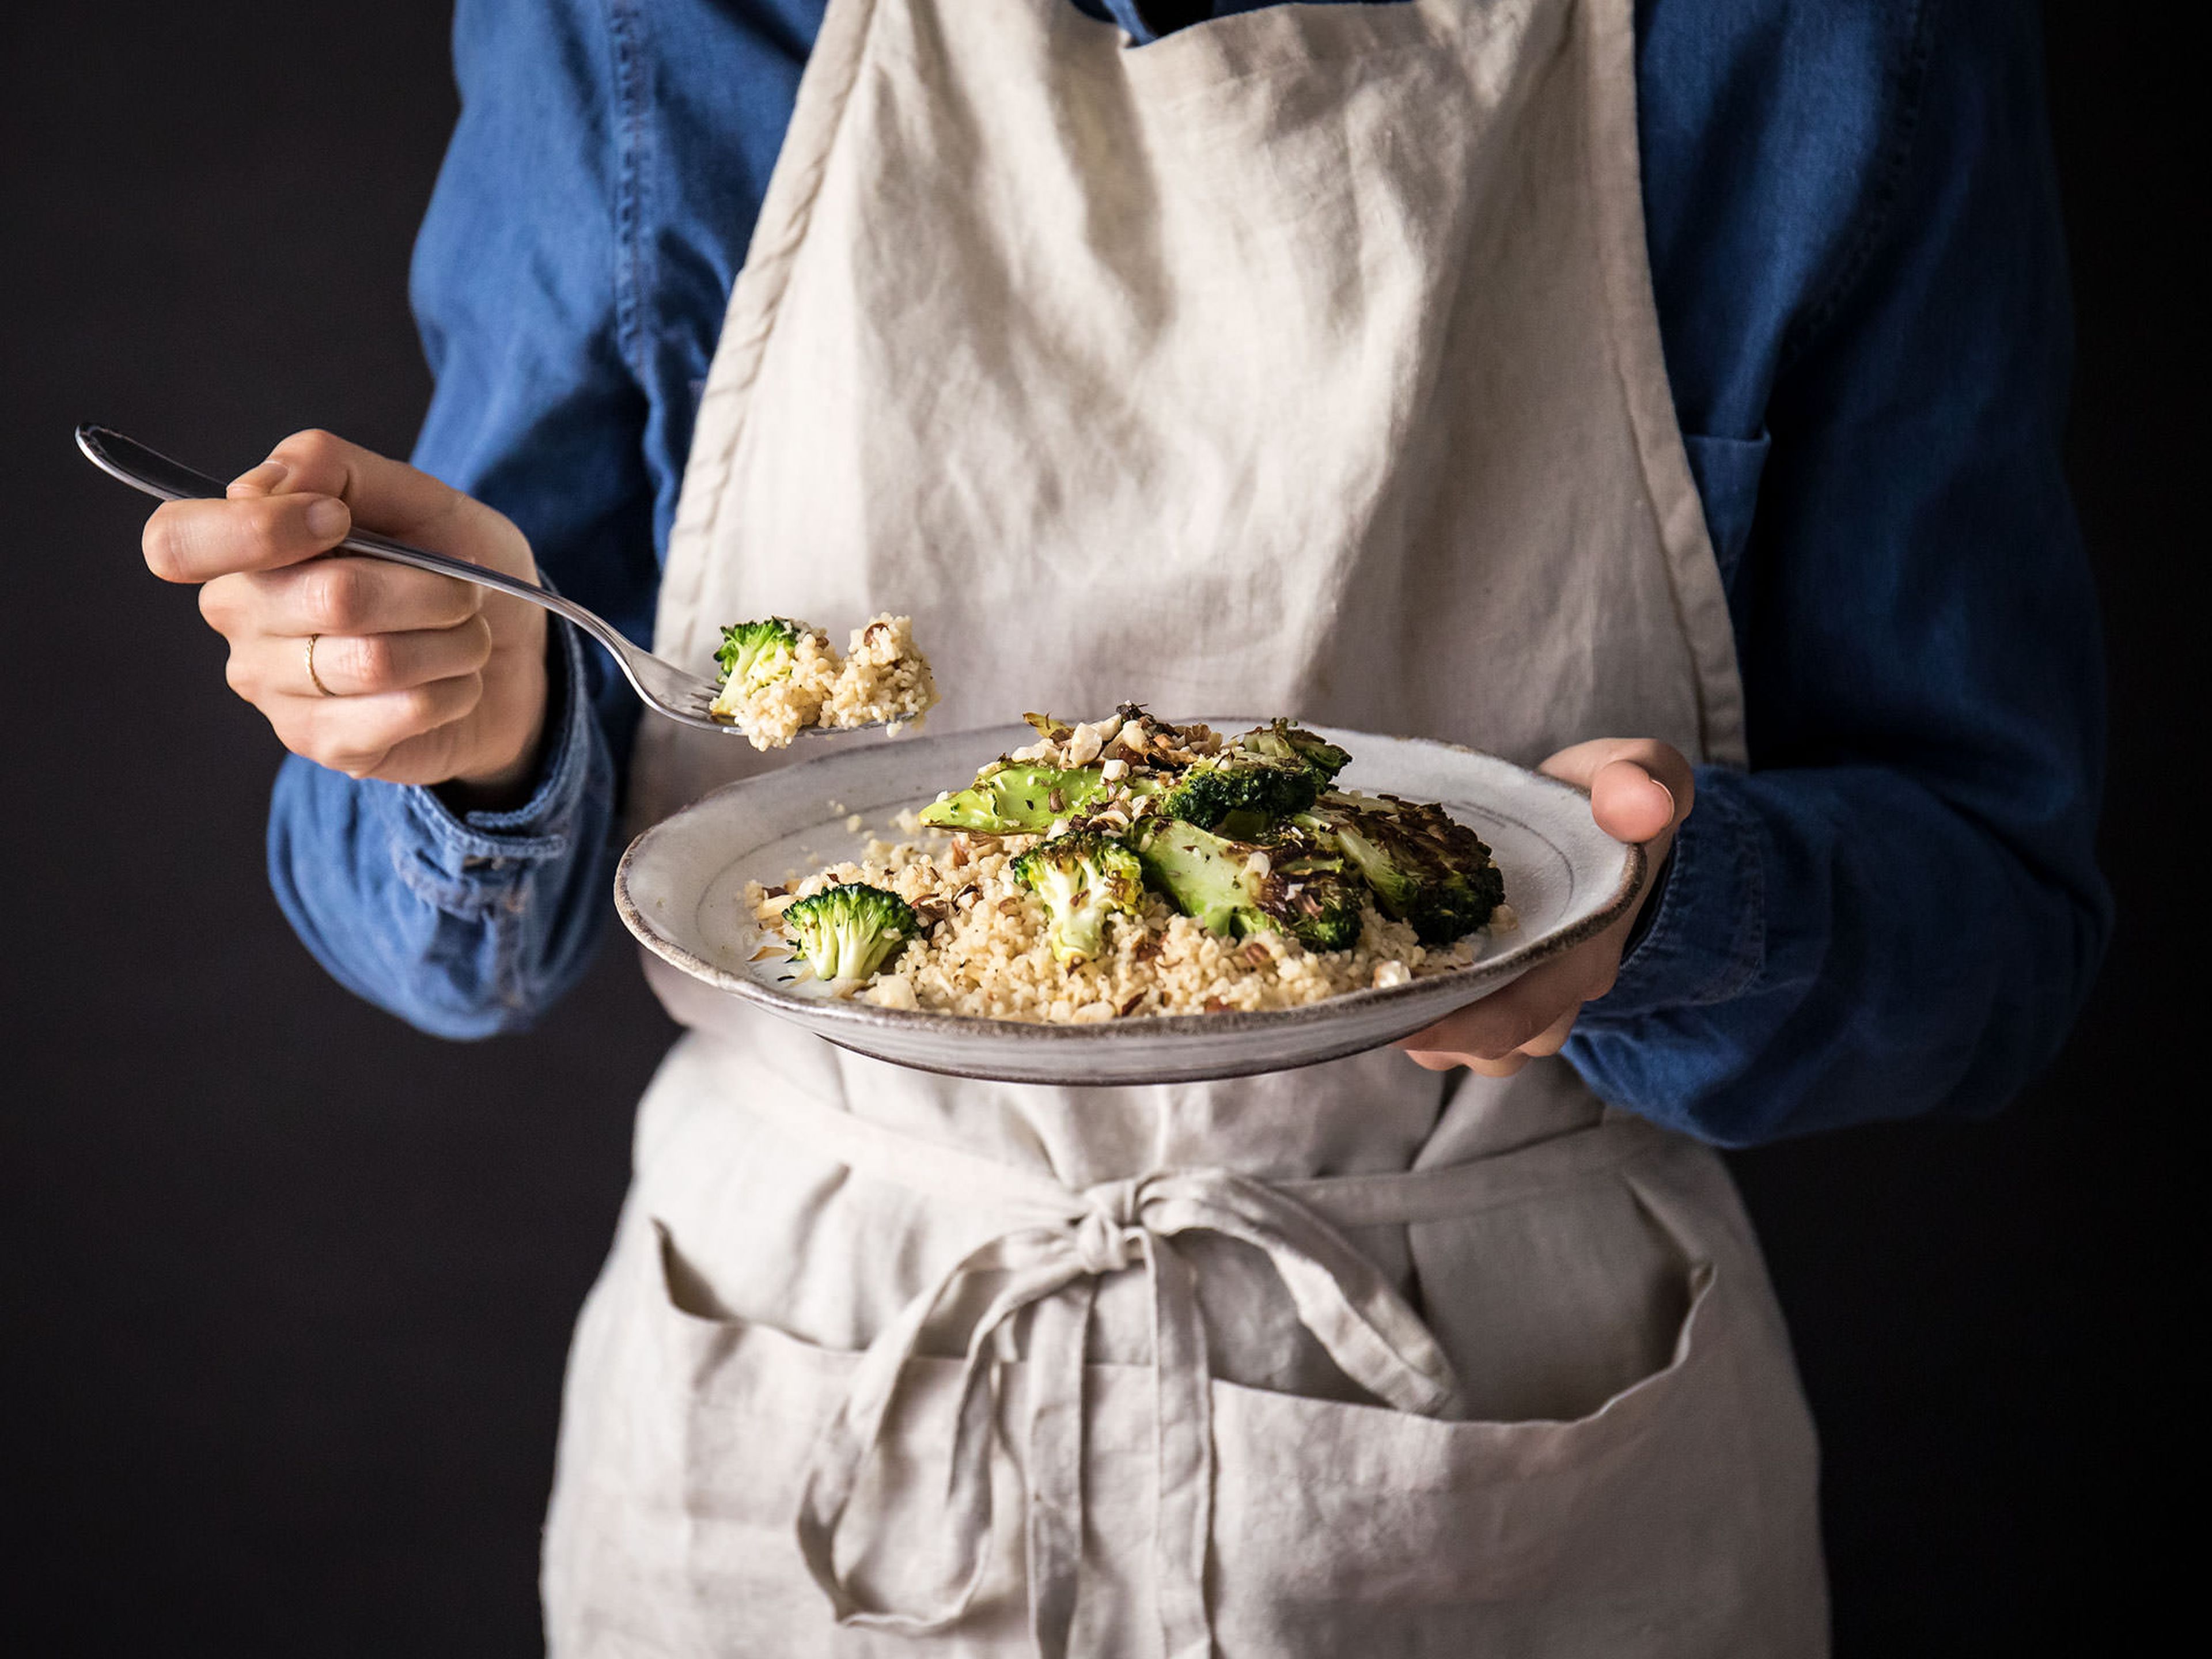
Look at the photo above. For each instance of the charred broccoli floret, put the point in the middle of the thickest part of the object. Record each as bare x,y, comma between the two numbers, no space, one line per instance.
1083,878
1268,774
1020,798
1257,790
849,931
1284,741
1425,868
1292,882
756,653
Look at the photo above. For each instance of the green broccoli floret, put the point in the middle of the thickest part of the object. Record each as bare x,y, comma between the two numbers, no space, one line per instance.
1425,868
848,932
1017,800
1083,878
756,653
1294,883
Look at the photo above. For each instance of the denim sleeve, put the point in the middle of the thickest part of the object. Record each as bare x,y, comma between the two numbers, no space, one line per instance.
469,925
1896,910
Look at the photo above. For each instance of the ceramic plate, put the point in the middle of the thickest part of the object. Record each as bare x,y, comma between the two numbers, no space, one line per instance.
681,889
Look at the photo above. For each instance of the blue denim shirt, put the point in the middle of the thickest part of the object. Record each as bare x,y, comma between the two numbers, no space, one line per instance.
1855,245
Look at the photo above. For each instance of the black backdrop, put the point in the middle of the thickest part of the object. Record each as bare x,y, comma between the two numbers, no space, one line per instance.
285,1288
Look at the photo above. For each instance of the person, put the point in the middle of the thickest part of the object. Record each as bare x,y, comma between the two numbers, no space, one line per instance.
1669,395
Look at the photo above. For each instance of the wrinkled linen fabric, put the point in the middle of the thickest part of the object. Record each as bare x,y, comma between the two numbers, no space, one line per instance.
1352,1357
1855,248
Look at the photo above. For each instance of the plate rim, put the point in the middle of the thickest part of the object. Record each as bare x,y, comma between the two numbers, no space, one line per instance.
852,1014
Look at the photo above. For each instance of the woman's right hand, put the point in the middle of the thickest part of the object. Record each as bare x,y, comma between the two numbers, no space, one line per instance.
424,679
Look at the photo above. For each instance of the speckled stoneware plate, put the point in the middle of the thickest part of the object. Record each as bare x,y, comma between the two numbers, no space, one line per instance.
681,891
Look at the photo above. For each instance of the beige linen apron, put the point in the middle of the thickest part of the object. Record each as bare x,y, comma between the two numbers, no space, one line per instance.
1304,361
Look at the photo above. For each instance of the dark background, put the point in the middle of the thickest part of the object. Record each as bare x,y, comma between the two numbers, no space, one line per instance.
285,1288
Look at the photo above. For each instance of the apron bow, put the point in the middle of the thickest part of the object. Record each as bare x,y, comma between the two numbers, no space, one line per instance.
1110,1235
1052,1266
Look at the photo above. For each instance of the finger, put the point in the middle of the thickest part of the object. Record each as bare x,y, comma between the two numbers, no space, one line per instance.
1629,804
1500,1023
261,480
1430,1059
1433,1059
357,665
353,735
1654,793
197,541
1505,1067
339,595
1553,1037
395,498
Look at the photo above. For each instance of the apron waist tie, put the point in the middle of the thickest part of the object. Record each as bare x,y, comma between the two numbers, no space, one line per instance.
1062,1242
1340,1297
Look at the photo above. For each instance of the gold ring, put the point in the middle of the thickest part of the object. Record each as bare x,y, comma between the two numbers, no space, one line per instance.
311,675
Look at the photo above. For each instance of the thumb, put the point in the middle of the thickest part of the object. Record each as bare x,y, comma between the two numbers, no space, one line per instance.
1639,787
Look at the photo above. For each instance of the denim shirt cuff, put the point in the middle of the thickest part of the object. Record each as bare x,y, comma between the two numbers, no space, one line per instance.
1704,935
467,863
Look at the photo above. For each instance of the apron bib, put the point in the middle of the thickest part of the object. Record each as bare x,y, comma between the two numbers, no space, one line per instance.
1303,361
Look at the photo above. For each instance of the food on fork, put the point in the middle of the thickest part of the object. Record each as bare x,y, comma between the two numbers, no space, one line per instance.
1128,866
780,677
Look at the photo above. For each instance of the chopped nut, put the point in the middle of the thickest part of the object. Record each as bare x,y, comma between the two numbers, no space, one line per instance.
1057,800
767,950
1216,1006
1008,906
893,991
1130,1007
1255,953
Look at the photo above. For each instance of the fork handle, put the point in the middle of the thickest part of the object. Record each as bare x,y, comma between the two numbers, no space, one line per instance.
149,470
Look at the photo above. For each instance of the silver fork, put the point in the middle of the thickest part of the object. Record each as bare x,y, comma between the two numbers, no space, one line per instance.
660,684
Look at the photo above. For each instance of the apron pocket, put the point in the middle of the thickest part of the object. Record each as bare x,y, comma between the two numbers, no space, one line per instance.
746,1402
1553,1301
752,1401
1321,1505
1593,1435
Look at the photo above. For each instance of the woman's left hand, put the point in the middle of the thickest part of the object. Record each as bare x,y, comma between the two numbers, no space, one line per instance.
1640,791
